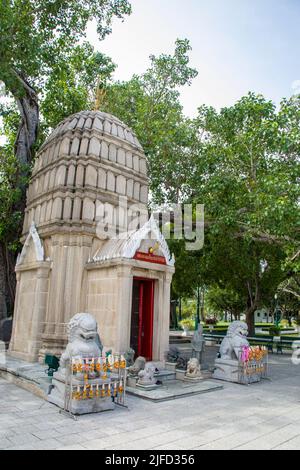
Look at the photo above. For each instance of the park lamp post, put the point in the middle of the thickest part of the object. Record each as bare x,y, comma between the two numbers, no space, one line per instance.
197,317
277,312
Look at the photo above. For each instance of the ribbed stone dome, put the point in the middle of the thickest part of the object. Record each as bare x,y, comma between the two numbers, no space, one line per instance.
89,121
88,161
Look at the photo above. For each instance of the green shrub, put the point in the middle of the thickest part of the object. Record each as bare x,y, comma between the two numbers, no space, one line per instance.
275,331
188,323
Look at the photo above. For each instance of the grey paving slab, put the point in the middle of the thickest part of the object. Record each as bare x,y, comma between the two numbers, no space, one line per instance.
265,415
172,390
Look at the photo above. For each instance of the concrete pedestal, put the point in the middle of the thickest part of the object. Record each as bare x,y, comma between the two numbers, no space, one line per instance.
193,379
180,374
171,366
227,370
78,407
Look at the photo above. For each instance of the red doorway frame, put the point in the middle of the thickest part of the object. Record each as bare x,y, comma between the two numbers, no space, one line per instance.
146,317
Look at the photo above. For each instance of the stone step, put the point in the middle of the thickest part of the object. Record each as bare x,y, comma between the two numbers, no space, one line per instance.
175,389
165,375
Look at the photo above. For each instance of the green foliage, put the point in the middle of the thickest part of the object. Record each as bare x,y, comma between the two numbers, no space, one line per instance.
10,194
71,85
188,323
37,35
248,176
187,276
150,105
220,300
241,162
42,58
188,307
12,179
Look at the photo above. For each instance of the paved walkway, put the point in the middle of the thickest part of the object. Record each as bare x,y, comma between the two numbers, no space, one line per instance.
262,416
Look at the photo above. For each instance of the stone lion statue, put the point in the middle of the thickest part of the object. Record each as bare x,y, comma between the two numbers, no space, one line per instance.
83,339
146,376
129,357
235,339
84,342
139,364
193,368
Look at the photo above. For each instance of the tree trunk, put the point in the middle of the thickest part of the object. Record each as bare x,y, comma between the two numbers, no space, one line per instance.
27,102
7,281
3,289
202,307
251,320
253,302
173,315
180,310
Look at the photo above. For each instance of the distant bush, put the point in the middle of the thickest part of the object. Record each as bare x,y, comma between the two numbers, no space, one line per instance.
211,321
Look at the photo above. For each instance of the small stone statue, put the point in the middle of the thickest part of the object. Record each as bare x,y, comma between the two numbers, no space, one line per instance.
139,364
198,343
129,357
181,363
173,355
193,369
146,376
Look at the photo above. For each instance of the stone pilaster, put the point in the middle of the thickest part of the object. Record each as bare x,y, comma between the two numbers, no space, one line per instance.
125,282
30,310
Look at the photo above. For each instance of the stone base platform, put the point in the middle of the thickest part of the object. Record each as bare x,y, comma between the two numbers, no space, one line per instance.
164,375
173,389
226,370
78,407
30,377
147,388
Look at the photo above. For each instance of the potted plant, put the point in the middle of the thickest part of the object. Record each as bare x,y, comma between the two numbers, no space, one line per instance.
187,324
275,331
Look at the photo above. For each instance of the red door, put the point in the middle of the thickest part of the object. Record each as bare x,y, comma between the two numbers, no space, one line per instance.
142,317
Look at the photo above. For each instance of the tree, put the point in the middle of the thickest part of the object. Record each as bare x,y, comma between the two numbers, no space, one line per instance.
222,300
248,168
35,37
42,59
241,162
249,271
246,173
72,84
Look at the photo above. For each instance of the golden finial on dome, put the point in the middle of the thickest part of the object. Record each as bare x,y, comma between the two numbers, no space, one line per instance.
100,94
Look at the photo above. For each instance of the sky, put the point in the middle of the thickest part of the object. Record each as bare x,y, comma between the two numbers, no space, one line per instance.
237,46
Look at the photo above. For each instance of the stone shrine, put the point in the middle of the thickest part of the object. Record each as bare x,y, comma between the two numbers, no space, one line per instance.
79,252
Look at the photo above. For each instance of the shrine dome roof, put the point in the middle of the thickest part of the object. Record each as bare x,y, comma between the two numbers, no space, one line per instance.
98,121
90,158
